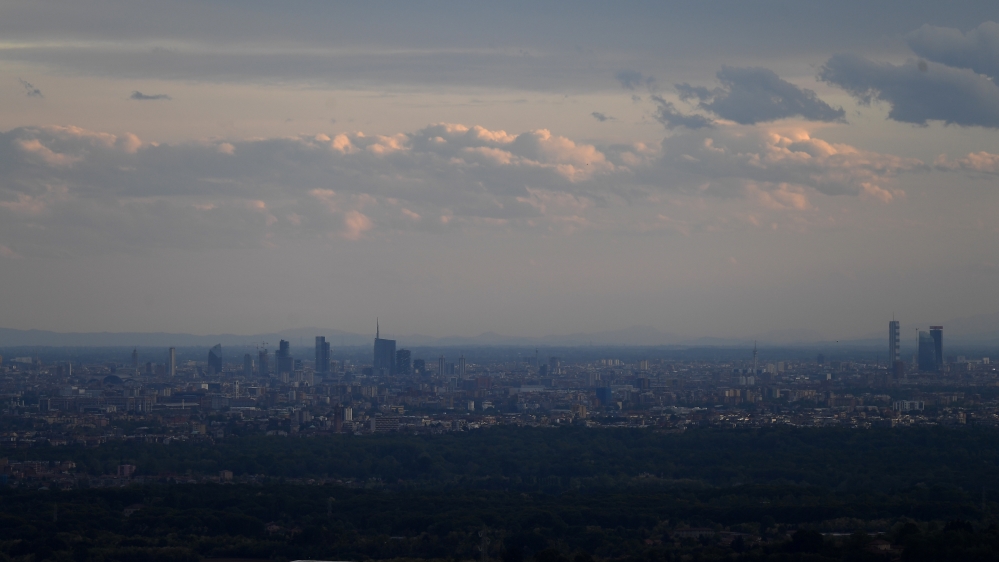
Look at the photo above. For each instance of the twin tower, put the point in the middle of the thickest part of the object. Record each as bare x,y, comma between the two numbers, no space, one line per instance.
929,355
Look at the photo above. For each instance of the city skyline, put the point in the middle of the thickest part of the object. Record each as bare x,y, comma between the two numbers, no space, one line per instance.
522,170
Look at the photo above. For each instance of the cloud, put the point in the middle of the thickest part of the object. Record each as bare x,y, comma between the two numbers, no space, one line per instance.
791,161
67,189
667,114
356,224
976,50
137,95
632,79
979,162
30,90
601,117
755,95
918,92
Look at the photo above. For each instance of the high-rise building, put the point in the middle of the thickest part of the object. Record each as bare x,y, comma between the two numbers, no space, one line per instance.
172,362
263,363
135,360
555,366
247,365
215,359
894,343
441,366
384,356
461,367
285,363
322,355
402,361
419,366
925,353
936,332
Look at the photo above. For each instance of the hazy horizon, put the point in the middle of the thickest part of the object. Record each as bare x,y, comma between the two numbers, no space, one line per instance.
526,169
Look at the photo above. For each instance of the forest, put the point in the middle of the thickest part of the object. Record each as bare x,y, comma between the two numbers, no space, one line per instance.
525,494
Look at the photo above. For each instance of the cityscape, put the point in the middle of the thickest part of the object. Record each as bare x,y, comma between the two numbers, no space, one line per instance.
61,403
537,281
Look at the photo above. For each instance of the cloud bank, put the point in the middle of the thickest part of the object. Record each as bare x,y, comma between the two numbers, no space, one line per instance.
70,189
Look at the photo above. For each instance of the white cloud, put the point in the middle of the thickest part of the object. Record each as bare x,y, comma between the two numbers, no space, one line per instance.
91,191
981,162
792,157
355,224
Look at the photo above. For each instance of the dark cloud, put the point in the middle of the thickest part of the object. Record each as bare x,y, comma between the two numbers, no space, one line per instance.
137,95
632,79
977,50
918,93
754,95
30,90
667,114
602,117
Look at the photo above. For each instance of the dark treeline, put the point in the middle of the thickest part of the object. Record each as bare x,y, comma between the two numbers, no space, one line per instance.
532,495
285,522
875,460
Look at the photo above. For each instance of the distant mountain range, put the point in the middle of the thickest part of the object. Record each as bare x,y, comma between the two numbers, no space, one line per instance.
978,330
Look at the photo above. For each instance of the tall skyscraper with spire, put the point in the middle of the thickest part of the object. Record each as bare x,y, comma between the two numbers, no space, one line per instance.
384,356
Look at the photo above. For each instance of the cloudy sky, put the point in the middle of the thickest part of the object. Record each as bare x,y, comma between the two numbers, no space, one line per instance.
724,168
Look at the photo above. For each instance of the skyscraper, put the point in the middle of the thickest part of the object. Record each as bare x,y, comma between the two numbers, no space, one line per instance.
441,366
285,364
172,362
247,365
461,367
894,343
135,360
384,357
215,359
936,332
926,353
263,363
402,361
322,355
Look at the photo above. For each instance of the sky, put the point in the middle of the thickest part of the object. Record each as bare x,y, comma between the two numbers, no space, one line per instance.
723,168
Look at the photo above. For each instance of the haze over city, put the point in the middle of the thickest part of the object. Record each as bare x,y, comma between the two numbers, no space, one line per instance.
805,171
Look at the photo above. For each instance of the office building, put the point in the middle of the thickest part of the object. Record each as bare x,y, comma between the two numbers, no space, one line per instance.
894,343
384,356
461,367
215,359
247,365
171,369
322,355
925,353
403,361
555,366
441,366
936,333
263,363
419,366
285,364
135,360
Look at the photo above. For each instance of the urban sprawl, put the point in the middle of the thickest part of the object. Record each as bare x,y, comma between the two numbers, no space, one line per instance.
59,403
